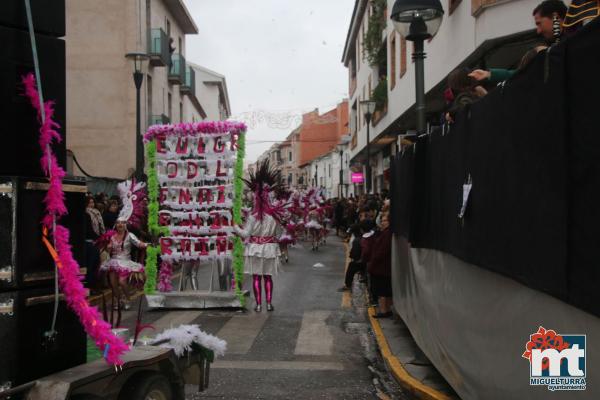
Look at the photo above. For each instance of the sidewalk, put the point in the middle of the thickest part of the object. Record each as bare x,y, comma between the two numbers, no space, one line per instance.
411,368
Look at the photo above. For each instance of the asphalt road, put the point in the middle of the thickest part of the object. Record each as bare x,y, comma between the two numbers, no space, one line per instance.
315,345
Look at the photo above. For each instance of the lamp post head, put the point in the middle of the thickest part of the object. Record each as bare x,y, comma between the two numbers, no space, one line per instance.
417,19
138,59
368,107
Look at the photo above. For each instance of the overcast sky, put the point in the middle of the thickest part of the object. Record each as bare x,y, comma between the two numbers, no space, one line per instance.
280,58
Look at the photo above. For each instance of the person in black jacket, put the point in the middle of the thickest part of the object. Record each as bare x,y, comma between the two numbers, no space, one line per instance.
356,264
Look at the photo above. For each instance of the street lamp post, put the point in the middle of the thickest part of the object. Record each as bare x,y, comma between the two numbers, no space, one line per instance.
417,21
369,109
340,149
138,78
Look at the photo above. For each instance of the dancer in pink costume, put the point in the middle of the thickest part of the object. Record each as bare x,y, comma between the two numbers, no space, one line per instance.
262,231
124,273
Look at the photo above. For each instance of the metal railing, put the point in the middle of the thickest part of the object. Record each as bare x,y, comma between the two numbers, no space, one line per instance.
177,71
158,48
160,119
189,83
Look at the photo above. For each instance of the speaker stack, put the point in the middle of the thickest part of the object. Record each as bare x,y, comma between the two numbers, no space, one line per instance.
27,352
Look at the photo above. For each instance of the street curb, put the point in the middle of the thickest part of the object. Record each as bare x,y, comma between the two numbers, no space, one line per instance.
405,380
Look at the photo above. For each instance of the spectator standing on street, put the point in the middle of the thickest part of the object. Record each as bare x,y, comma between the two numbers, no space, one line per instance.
339,217
379,266
111,214
355,265
94,228
366,245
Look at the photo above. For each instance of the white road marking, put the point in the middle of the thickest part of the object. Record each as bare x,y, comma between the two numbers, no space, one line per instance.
314,338
281,365
241,331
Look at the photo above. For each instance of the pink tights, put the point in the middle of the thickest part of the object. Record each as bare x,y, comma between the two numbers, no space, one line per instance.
256,285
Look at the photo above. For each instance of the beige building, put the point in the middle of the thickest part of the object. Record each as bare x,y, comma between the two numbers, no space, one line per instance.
101,96
211,90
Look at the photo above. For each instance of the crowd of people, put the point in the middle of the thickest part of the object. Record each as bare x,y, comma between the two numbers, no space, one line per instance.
554,22
364,222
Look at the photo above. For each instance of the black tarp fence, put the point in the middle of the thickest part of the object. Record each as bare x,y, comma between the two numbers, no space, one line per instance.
532,150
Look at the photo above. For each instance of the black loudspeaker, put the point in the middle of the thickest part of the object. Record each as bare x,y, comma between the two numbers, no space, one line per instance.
19,149
24,260
48,16
26,352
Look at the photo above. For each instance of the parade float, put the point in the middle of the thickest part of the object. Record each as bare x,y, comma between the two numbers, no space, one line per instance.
195,192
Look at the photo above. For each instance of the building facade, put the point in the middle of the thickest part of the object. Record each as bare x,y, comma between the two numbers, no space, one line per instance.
473,34
211,91
310,148
101,95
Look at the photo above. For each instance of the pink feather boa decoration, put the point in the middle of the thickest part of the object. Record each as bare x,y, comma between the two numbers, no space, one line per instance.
68,269
104,240
164,277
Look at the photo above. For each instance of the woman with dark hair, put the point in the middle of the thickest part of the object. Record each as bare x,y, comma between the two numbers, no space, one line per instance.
379,266
112,213
465,91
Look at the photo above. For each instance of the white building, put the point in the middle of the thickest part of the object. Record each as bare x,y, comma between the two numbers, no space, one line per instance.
211,91
476,33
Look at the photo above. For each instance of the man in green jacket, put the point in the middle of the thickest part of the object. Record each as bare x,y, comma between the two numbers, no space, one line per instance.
544,15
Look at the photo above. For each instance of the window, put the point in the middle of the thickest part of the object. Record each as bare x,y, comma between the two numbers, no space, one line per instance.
357,56
402,56
149,99
289,179
290,156
393,60
170,105
180,112
330,170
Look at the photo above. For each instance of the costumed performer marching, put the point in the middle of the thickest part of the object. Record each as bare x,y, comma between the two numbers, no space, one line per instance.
124,273
262,231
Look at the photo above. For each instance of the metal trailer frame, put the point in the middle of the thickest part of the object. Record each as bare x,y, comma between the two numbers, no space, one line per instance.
98,381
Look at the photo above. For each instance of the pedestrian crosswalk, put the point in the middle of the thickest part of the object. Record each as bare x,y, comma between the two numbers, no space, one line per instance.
315,337
241,331
280,365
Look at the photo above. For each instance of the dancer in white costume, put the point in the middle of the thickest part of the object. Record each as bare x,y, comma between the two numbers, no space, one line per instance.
262,231
124,273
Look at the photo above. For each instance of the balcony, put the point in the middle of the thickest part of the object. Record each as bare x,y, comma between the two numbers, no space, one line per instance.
189,84
158,48
177,71
160,119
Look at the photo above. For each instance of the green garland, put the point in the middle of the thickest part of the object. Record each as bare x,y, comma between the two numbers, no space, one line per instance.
152,253
153,186
154,228
238,192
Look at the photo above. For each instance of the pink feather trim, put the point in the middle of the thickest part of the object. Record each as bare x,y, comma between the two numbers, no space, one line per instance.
68,269
164,277
104,240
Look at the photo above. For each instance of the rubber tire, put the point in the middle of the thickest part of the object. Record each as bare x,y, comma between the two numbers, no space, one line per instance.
141,385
